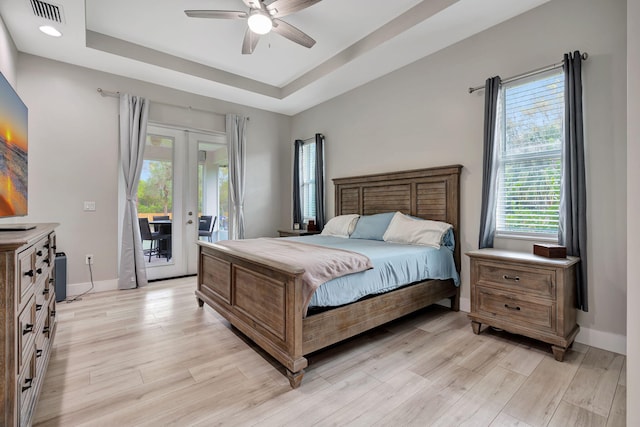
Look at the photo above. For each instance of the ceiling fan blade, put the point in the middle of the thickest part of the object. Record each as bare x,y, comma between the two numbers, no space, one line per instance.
280,8
292,33
250,41
217,14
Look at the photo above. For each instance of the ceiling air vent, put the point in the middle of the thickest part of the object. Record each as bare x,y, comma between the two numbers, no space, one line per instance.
48,11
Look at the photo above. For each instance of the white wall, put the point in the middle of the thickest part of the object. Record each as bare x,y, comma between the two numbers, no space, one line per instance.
633,207
422,115
8,55
73,155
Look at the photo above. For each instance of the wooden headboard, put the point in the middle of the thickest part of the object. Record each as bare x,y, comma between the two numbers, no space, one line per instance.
432,193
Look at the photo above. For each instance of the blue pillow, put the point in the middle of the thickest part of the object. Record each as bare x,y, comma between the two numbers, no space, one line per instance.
372,227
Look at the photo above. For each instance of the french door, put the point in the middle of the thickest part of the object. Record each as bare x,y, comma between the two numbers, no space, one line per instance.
176,188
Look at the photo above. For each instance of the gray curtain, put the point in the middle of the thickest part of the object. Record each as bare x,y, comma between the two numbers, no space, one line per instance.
297,203
236,136
572,230
489,164
319,181
134,114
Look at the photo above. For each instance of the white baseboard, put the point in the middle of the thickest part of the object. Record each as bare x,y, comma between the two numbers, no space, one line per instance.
604,340
591,337
99,286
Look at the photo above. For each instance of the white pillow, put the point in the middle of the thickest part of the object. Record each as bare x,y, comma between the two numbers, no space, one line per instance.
412,231
341,226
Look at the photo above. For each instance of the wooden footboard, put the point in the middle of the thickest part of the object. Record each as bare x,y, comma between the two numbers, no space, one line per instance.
264,301
261,298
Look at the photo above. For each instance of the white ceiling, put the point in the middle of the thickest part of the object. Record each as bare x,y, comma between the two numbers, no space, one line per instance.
153,40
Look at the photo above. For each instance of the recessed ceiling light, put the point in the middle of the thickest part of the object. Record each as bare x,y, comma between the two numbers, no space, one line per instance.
50,31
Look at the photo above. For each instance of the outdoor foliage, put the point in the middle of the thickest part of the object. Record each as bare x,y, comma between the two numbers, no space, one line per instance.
531,169
155,190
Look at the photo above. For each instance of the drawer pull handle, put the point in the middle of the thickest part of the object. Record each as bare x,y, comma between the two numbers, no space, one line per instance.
27,384
28,328
29,273
514,278
51,280
39,271
512,308
39,253
38,307
53,313
47,261
38,353
46,291
45,330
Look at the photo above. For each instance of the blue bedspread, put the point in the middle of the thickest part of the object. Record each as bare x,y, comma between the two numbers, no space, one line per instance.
395,265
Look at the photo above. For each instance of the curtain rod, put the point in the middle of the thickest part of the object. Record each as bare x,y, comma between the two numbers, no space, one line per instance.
585,55
116,94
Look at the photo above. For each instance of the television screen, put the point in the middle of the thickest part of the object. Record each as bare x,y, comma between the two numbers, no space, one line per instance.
13,154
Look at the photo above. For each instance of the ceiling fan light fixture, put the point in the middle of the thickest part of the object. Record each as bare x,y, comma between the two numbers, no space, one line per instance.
260,23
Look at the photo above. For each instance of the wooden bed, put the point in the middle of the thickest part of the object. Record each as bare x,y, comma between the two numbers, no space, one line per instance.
263,299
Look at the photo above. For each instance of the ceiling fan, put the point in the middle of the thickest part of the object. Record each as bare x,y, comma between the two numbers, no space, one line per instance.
262,18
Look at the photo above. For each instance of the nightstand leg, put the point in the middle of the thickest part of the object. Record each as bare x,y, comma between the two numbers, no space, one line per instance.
558,352
295,378
476,327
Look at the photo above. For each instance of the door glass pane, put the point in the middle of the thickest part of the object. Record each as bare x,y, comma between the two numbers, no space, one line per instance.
212,189
155,199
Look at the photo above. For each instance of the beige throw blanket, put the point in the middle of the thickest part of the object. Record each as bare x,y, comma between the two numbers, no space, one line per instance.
320,263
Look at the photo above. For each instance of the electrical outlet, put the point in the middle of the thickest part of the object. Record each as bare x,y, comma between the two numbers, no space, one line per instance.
88,259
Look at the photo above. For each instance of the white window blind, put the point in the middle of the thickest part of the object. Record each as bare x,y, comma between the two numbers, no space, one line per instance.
530,156
308,181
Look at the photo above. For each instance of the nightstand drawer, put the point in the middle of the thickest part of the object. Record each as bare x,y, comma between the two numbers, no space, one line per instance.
511,308
533,281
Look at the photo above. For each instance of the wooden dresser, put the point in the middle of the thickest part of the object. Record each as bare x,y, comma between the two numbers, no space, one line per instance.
28,312
525,294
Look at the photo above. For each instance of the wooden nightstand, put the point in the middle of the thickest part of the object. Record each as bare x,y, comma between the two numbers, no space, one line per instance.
525,294
295,233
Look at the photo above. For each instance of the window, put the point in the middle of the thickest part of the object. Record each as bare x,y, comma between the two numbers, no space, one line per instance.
308,181
530,123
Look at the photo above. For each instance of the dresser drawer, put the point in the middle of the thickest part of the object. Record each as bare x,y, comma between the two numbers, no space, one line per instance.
26,332
513,308
513,277
25,389
42,249
51,321
48,286
26,276
40,296
41,348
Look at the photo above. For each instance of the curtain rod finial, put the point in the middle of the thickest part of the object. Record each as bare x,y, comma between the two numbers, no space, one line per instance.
585,55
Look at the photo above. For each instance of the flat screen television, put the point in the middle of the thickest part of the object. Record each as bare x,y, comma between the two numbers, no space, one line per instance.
13,152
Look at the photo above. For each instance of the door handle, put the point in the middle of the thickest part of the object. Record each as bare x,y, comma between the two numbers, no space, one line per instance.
190,222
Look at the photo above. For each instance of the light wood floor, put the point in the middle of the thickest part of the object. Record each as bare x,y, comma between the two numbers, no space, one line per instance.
152,357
